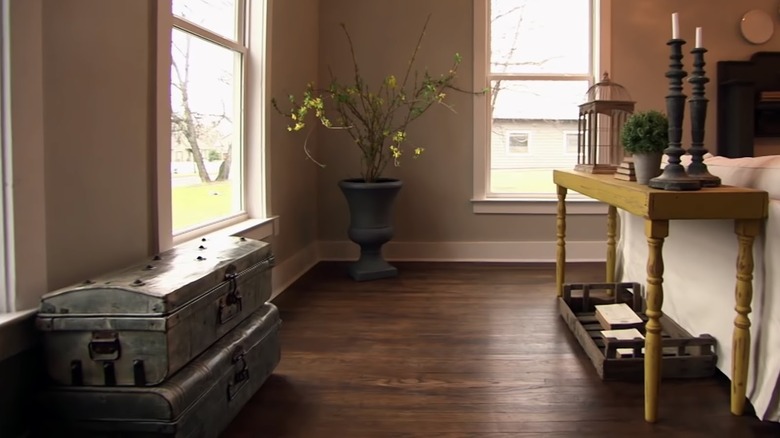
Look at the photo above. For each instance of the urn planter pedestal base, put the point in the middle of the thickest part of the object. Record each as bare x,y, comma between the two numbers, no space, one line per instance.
371,266
370,225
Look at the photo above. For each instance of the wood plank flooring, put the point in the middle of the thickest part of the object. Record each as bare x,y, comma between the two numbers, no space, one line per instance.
458,350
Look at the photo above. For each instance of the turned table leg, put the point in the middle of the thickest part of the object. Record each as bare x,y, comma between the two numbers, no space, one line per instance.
560,254
611,231
746,231
656,231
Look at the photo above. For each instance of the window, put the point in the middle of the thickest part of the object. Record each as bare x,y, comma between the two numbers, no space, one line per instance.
517,142
570,142
538,64
208,49
211,73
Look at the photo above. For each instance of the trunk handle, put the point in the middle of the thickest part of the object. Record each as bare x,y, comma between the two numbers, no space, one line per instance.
232,303
104,346
241,375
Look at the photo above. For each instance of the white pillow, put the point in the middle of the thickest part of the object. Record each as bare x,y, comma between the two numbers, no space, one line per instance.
761,173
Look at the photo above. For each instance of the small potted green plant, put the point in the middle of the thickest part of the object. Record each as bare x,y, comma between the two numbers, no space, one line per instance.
645,135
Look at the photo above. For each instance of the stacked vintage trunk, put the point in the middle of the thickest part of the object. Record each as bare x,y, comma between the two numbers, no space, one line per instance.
170,347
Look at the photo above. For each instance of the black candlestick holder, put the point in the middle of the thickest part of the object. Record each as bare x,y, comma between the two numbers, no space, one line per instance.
697,169
674,176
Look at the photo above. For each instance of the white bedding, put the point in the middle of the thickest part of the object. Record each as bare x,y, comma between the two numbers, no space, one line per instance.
700,276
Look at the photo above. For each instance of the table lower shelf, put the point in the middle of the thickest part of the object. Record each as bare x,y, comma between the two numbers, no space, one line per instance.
684,356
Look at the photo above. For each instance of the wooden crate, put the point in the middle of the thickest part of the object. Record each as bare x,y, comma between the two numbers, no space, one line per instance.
684,356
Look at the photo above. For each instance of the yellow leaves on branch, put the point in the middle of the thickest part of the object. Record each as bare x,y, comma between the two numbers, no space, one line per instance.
375,118
395,149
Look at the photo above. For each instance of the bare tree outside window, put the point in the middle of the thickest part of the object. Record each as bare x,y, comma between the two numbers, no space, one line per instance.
201,120
207,55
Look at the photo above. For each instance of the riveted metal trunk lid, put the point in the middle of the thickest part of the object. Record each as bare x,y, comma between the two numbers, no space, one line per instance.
160,285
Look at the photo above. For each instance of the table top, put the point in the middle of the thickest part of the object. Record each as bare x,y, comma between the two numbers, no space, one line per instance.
724,202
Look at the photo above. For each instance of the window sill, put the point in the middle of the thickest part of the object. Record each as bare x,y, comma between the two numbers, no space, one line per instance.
259,227
14,317
537,206
17,332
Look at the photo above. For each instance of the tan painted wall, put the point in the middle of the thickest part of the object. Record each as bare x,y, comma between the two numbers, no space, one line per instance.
293,181
28,154
84,115
640,56
96,100
84,109
434,204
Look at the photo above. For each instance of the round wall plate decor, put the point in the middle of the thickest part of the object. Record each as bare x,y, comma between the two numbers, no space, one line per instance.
757,26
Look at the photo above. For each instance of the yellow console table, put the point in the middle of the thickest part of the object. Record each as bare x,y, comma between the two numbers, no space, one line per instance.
747,207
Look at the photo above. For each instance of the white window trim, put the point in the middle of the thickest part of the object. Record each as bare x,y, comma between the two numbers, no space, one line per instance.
163,103
574,205
7,283
508,148
481,203
253,218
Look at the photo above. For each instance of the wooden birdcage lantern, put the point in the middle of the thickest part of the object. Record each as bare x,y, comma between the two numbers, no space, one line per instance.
607,107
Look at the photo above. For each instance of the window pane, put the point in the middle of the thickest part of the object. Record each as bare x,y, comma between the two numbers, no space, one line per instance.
205,131
546,111
535,36
571,142
518,142
218,16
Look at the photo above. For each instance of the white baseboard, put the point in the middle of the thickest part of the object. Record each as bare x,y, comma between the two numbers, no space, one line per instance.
291,269
582,251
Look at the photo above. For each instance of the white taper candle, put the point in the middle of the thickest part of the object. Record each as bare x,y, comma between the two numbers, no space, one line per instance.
675,26
698,38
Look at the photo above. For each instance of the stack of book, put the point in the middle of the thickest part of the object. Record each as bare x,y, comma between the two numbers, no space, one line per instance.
626,170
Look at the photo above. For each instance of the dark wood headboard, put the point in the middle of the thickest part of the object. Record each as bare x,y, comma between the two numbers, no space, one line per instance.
743,113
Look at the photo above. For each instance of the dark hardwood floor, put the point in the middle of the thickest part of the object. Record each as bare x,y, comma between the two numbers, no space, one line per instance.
458,350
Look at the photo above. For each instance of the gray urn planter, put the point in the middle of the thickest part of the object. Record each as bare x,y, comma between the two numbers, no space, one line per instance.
647,166
370,224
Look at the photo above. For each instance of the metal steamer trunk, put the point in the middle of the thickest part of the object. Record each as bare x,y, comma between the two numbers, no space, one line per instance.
139,325
199,401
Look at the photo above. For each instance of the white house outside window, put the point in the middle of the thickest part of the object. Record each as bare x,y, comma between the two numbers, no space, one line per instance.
538,58
208,47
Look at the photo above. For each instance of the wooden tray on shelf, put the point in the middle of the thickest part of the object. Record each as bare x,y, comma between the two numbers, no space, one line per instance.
684,356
